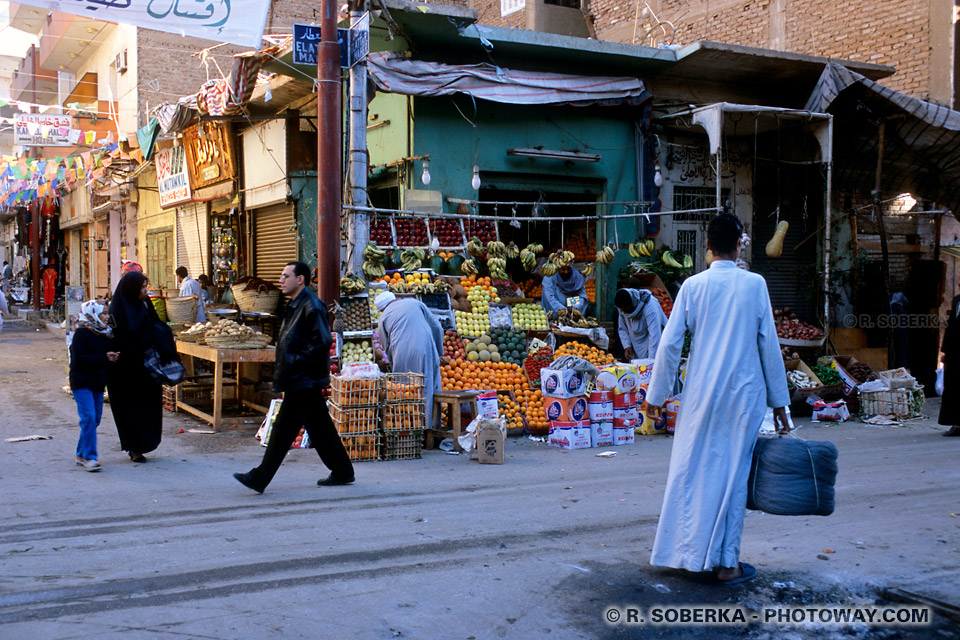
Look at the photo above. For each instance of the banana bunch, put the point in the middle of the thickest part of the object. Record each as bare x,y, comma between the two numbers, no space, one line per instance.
496,249
670,260
573,318
413,259
513,251
605,255
441,286
588,270
373,269
416,287
548,268
469,268
374,253
535,248
561,258
529,259
352,285
641,249
475,247
398,287
497,267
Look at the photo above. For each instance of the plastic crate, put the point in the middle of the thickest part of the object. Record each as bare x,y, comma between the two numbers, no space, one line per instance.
353,420
170,398
900,403
354,393
363,447
403,388
404,445
403,417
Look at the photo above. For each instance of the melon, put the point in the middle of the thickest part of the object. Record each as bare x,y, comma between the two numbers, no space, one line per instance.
437,264
453,265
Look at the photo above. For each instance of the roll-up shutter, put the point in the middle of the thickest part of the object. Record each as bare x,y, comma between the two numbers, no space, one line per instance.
275,240
193,238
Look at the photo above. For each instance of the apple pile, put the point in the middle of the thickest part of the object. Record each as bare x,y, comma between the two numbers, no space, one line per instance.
411,232
447,232
380,232
453,346
790,328
484,230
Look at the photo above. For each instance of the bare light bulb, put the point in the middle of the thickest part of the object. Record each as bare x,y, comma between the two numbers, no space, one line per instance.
425,176
657,176
475,183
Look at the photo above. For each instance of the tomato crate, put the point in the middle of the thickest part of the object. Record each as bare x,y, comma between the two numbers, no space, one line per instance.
363,447
403,388
169,398
348,392
403,445
403,417
353,420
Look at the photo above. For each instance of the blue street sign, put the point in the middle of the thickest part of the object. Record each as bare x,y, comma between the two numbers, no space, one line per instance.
354,45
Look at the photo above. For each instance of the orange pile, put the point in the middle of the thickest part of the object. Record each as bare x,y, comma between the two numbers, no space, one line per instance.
462,374
532,288
393,278
510,411
591,290
532,402
594,356
583,248
473,281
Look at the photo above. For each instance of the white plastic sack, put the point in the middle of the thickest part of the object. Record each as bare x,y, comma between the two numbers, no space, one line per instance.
767,428
468,439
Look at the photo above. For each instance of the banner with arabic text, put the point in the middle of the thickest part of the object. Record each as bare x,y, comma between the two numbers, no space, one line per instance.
235,21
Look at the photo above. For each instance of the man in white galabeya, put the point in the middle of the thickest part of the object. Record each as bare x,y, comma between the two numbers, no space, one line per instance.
734,373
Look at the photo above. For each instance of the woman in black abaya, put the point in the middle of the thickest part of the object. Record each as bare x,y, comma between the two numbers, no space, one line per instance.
135,398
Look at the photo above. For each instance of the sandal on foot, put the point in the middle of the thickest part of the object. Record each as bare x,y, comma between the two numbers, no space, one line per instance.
80,461
749,572
137,457
91,465
952,432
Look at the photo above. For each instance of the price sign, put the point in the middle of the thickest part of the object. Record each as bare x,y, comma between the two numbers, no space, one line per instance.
574,301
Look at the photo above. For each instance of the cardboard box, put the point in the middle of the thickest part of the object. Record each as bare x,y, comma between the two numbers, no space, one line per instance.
839,364
600,406
601,433
619,378
570,435
487,406
830,411
621,417
563,383
623,436
799,394
625,400
644,370
566,409
671,409
491,439
648,427
641,396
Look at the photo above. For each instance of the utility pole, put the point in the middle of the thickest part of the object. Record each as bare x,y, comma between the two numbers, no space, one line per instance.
358,222
328,155
884,253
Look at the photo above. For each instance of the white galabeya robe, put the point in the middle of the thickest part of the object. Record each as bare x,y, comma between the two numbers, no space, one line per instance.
734,372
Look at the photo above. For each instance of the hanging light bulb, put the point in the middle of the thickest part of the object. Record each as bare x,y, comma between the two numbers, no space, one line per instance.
475,183
425,176
657,176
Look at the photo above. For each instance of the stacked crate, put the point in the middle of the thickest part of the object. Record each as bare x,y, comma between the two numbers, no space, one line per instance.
353,409
403,416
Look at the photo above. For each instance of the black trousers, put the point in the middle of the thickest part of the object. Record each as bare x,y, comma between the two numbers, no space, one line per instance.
303,408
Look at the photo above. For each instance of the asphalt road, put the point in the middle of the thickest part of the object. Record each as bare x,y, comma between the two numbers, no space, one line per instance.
540,547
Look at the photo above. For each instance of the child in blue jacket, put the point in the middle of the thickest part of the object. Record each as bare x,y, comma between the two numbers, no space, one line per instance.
90,355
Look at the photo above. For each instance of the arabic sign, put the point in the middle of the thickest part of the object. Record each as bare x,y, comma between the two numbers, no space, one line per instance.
172,180
235,21
41,130
354,43
210,157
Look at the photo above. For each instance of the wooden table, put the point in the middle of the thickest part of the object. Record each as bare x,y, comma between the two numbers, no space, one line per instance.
456,399
219,357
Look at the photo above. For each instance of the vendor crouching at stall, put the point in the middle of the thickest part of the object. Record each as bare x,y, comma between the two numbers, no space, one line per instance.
641,323
560,289
413,340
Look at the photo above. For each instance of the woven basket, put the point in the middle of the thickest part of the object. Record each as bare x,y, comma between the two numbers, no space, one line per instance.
182,309
243,341
260,300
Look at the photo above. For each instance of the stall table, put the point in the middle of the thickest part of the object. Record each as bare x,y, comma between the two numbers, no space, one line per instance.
219,357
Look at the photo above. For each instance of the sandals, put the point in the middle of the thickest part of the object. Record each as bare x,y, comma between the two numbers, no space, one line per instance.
952,432
137,457
749,573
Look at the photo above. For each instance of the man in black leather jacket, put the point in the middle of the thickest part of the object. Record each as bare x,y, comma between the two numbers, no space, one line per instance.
303,370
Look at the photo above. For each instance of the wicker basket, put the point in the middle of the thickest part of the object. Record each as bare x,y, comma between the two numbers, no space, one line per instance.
240,341
259,300
900,403
182,309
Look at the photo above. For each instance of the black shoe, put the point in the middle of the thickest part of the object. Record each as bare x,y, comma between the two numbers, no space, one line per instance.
330,481
137,457
244,479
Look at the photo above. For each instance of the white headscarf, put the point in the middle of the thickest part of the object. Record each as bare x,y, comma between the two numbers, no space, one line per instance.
90,317
382,300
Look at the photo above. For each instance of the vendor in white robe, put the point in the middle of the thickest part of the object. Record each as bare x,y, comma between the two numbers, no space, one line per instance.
566,283
190,287
641,323
413,339
734,373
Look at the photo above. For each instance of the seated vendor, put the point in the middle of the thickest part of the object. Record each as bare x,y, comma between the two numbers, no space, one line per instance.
565,289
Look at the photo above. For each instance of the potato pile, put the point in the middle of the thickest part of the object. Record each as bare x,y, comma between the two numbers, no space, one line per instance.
356,315
199,329
229,328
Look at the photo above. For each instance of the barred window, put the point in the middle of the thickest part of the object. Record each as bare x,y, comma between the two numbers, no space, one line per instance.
686,198
687,243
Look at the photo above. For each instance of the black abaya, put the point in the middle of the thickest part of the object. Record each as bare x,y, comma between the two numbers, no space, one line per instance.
950,403
136,400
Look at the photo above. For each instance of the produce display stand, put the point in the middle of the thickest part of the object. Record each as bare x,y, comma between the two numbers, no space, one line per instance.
220,357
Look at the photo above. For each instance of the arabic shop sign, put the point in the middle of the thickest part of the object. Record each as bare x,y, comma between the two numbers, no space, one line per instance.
354,43
40,130
210,158
235,21
172,179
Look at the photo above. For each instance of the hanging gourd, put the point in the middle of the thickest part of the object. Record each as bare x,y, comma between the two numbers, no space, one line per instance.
775,246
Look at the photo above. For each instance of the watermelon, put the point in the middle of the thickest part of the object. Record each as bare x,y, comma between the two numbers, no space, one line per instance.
453,265
437,264
394,260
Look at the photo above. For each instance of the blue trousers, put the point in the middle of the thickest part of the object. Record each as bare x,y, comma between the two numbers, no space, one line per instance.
90,410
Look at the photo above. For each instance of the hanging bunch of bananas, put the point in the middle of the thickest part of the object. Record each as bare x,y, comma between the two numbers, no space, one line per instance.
587,270
373,265
497,267
605,255
513,251
528,259
535,248
561,258
352,284
641,248
475,247
469,268
413,259
548,268
496,249
677,261
373,252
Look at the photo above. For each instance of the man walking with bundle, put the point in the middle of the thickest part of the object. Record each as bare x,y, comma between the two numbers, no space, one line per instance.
303,370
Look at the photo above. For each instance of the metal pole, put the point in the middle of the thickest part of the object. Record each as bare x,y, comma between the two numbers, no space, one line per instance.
884,254
328,155
358,228
35,252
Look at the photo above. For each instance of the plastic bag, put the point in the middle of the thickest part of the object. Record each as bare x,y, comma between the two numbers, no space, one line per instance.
767,428
939,384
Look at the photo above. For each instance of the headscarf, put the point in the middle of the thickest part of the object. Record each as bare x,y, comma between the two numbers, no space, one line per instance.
571,285
128,266
90,318
131,317
382,300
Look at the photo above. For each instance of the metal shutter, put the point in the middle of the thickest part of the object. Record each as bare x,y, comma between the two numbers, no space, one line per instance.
193,239
275,240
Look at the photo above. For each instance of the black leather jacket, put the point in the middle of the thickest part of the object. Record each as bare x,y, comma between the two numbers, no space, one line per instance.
303,347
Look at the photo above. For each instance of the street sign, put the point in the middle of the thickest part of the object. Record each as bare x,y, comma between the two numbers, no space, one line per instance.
354,43
42,130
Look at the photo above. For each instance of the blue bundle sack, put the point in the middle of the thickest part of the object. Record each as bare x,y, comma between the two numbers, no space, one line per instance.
790,477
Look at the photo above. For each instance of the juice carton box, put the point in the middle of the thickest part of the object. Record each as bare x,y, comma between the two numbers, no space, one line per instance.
570,435
562,383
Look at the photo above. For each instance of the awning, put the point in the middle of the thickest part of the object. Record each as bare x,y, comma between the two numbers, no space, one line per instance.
396,74
922,139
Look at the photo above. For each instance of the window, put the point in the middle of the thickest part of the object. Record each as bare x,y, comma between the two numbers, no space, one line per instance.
687,243
686,198
572,4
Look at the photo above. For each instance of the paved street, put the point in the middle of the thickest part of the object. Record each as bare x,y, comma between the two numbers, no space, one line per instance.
435,548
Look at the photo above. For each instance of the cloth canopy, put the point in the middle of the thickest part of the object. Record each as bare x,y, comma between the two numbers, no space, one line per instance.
922,139
396,74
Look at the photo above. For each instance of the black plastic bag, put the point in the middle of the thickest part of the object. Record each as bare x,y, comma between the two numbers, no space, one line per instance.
790,477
